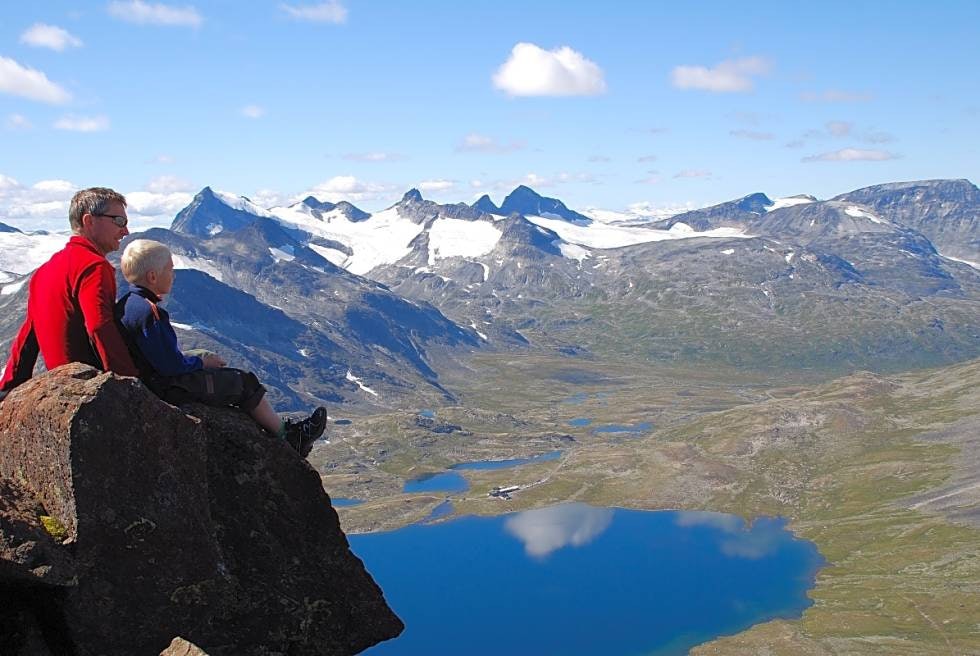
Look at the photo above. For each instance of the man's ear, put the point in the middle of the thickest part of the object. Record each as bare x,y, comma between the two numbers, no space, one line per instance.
151,277
87,220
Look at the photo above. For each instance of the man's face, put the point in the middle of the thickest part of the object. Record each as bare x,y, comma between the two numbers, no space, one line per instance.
102,230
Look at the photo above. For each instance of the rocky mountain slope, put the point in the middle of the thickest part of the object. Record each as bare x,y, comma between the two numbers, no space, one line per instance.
125,523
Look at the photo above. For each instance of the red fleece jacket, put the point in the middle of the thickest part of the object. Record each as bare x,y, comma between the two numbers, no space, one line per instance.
70,316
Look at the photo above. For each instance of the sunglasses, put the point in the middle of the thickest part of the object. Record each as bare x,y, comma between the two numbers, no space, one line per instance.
118,219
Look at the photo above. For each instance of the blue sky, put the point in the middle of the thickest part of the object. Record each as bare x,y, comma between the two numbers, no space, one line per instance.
609,105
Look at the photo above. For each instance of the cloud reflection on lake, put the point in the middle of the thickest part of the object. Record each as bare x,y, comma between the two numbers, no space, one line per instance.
545,530
763,537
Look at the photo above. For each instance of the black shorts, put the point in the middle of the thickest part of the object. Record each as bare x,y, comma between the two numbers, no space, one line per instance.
219,387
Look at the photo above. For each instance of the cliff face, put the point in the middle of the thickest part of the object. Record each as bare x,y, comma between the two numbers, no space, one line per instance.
202,527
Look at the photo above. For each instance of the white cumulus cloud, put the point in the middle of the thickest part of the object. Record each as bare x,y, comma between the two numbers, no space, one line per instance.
155,13
29,83
436,185
730,76
82,123
533,71
150,208
253,111
325,12
852,155
42,35
349,188
839,128
168,184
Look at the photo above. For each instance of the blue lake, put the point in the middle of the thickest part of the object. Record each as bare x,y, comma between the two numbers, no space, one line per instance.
442,482
489,465
574,579
342,502
579,422
624,428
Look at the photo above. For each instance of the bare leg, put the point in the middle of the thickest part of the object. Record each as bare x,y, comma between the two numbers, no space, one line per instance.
266,416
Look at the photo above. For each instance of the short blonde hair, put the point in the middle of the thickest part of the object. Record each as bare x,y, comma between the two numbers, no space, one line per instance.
142,256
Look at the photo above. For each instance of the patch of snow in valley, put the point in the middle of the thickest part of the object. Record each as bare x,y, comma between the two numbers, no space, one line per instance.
182,326
304,352
789,257
975,265
486,271
198,264
13,288
357,381
858,213
574,251
381,239
286,253
331,255
482,336
599,235
458,238
728,251
788,202
21,253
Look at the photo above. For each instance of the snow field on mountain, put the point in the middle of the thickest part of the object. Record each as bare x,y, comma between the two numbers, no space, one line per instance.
22,253
198,264
600,235
382,239
458,238
788,202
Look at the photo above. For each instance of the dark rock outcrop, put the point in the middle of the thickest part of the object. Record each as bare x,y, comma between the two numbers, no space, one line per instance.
201,526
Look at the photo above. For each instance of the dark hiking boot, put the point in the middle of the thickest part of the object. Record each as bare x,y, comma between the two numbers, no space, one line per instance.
302,434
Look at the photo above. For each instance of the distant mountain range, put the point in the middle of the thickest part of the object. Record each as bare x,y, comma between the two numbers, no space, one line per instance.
330,302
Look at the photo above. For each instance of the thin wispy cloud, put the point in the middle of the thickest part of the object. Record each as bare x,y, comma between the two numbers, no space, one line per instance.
835,96
532,71
164,159
74,123
646,158
482,143
852,155
29,83
168,184
252,111
599,159
436,185
649,180
692,173
149,13
41,35
373,157
752,135
730,76
17,122
839,128
325,12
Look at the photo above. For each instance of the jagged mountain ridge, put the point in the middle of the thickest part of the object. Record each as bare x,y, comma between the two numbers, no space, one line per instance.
790,282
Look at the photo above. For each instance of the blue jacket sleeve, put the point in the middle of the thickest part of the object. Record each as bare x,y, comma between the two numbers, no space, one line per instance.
157,341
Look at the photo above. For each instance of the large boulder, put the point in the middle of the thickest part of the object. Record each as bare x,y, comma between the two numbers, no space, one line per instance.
195,525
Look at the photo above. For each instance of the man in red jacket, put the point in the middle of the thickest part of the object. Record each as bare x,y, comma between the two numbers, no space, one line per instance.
71,296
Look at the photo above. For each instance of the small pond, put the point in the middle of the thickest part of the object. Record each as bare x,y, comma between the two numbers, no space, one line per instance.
343,502
641,427
575,580
441,482
489,465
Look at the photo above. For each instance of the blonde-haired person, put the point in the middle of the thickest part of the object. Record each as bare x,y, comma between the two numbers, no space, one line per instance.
179,377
